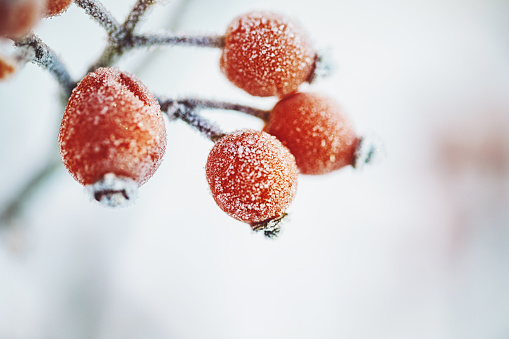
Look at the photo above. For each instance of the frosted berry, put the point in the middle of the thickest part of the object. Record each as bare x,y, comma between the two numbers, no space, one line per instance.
112,125
17,17
316,131
252,176
267,54
55,7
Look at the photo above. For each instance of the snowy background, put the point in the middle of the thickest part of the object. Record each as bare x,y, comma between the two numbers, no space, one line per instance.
414,247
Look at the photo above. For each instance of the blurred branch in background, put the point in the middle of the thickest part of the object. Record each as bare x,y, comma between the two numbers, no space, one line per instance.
46,58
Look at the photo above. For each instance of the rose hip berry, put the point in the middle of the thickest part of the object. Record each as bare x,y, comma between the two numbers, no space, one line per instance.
252,176
55,7
267,54
17,17
316,131
112,128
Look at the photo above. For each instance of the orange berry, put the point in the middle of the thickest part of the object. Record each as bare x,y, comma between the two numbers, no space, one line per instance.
252,176
267,54
316,131
17,17
55,7
112,125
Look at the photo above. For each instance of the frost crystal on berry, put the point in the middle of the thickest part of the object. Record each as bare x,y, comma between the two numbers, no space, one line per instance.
252,176
316,131
112,124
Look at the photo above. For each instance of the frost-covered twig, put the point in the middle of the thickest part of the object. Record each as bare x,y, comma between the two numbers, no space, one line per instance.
115,49
121,38
139,9
176,110
212,104
46,58
173,24
97,11
185,109
214,41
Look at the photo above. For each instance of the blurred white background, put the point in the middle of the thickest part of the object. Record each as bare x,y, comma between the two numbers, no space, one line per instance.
414,247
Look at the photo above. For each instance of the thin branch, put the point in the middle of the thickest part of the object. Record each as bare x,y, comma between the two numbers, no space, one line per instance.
134,17
214,41
115,49
15,206
187,114
172,24
205,127
122,38
46,58
96,10
211,104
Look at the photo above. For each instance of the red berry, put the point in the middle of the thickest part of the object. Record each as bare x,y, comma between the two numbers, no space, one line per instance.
267,54
315,130
112,125
55,7
252,176
17,17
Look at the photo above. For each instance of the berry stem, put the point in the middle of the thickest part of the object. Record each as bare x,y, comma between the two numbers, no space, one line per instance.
116,48
214,41
185,109
173,24
134,17
100,14
47,59
211,104
177,110
121,38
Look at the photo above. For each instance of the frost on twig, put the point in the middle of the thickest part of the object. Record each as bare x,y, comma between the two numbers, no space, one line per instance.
100,14
39,53
188,115
211,104
214,41
185,109
173,24
121,38
139,9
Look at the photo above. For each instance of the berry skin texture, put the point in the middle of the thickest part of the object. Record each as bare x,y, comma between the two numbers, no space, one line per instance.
17,17
56,7
252,176
315,130
267,54
112,124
